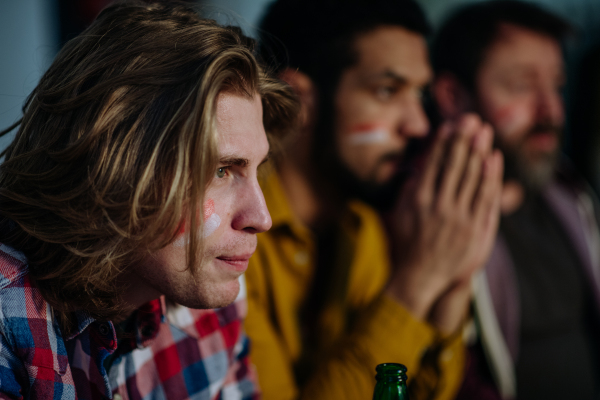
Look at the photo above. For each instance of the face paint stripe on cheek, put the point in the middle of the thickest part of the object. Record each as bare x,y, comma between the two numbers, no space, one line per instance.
181,229
212,221
209,208
182,239
368,134
211,225
182,236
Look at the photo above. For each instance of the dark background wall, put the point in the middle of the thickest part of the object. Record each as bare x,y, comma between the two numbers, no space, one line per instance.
32,31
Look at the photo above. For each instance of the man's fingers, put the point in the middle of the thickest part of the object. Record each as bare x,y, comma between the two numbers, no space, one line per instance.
487,202
489,223
433,164
470,182
483,140
482,144
458,155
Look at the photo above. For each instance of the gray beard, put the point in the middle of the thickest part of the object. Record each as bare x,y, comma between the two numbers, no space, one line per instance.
533,174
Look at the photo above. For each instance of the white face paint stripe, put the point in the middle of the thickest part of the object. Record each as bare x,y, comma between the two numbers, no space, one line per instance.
181,241
210,226
369,137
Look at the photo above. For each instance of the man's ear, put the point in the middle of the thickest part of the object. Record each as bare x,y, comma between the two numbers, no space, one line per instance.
306,91
452,98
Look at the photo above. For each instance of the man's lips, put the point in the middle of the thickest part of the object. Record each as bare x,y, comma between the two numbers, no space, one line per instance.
238,262
544,141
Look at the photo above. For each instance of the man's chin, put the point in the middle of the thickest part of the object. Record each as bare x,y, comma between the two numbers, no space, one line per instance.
381,196
537,174
215,296
386,172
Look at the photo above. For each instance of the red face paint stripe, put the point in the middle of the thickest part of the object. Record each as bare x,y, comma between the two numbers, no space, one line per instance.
365,128
181,229
209,208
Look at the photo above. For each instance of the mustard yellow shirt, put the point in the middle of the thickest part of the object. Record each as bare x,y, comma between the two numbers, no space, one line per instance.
358,328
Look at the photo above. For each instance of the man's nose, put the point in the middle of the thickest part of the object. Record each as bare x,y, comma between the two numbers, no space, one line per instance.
252,214
550,106
415,122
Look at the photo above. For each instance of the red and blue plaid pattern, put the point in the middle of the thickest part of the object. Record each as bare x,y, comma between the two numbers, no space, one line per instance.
177,352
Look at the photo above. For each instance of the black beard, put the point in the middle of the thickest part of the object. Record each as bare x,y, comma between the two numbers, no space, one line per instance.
381,196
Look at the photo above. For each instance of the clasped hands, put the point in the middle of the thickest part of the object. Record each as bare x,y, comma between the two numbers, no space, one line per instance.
445,222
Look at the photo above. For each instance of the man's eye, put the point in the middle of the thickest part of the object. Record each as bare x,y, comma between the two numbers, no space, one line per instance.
519,86
385,92
221,172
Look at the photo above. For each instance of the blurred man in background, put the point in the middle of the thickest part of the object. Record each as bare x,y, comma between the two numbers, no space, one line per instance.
537,304
328,299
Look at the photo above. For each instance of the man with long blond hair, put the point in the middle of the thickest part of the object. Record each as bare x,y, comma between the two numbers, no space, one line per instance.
129,206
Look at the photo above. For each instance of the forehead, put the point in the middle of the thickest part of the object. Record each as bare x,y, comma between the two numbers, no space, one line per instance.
516,48
395,49
239,122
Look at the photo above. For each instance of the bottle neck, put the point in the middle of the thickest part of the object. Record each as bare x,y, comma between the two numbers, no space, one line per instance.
391,372
391,382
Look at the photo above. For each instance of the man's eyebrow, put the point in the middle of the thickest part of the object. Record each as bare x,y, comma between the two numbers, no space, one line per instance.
233,160
240,161
520,69
389,74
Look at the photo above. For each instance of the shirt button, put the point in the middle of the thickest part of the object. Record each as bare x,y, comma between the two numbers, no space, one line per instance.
104,329
301,258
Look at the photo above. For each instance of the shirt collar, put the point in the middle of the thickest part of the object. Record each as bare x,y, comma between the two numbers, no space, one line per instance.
83,321
147,322
148,319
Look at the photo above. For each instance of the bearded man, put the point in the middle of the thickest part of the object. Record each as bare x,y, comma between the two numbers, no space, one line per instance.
537,304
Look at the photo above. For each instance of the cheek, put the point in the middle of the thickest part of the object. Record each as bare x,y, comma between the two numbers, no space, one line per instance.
212,221
511,121
170,258
208,209
367,134
362,144
181,240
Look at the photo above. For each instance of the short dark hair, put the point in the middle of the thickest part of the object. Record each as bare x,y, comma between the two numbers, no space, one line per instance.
461,42
317,36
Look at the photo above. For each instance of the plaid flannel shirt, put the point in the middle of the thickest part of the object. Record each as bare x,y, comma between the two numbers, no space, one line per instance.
177,352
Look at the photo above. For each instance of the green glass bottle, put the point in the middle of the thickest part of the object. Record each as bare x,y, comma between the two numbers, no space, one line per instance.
391,382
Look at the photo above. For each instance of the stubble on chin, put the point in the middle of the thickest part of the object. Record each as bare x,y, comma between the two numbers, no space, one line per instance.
209,286
203,289
179,285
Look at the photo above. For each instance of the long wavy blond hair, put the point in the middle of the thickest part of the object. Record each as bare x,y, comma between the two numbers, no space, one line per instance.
116,139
